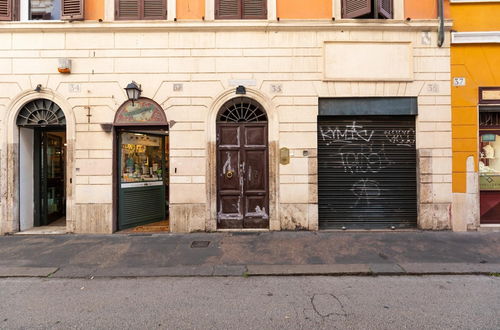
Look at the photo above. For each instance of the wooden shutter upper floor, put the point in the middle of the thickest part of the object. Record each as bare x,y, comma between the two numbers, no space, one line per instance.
240,9
155,9
356,8
140,9
385,8
254,9
228,9
72,10
6,10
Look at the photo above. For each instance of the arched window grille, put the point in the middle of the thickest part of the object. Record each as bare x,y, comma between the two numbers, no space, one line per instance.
41,113
241,110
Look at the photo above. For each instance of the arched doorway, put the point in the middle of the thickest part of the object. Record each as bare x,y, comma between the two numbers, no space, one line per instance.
142,166
42,166
242,168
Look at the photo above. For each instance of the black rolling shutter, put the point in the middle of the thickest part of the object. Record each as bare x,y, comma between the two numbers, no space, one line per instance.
367,172
6,10
356,8
385,8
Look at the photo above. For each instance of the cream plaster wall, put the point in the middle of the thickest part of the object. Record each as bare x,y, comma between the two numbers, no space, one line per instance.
283,68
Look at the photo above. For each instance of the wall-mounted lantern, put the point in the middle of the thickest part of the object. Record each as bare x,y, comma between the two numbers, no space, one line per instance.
241,90
133,91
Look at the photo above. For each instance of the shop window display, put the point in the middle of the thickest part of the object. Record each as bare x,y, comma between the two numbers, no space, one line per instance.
142,157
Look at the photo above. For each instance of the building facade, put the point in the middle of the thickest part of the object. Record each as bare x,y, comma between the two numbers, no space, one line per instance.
277,114
475,59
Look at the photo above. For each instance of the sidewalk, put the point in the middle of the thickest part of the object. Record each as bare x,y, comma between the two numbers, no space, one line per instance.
250,254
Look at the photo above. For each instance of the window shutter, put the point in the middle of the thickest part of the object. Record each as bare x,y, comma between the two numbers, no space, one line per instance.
256,9
127,9
72,10
228,9
6,12
385,8
356,8
155,9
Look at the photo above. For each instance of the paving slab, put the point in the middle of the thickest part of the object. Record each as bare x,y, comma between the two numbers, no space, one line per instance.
229,270
6,271
334,269
202,270
449,268
386,269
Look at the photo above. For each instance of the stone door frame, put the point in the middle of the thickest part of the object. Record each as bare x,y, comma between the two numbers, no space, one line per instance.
9,169
273,150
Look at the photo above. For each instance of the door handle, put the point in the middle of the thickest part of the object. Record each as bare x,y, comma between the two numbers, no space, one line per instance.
229,174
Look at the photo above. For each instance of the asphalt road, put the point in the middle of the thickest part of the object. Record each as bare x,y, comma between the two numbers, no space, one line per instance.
431,302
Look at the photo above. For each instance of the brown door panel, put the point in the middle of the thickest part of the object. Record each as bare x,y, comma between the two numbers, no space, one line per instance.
231,207
229,136
254,223
228,171
255,136
256,170
256,207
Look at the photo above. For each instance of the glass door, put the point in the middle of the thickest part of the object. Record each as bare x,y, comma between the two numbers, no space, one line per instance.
143,176
49,156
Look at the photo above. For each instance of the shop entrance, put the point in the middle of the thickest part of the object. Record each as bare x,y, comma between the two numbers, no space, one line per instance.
143,191
42,167
141,167
489,164
49,166
242,166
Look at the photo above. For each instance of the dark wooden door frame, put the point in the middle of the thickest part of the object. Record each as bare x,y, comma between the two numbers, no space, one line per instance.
40,202
247,219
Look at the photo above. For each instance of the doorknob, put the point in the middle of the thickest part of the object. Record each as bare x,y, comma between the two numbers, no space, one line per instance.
229,174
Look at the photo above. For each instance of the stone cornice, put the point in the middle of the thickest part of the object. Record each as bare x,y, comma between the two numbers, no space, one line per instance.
200,26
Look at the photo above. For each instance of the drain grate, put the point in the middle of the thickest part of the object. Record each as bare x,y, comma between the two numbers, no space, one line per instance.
200,244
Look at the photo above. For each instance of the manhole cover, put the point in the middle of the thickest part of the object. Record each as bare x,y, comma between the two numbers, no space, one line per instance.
200,244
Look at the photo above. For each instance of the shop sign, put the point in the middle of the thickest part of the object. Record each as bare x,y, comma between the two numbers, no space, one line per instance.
142,111
489,95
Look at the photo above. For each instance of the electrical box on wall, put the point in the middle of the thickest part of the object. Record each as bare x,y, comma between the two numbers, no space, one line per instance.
284,156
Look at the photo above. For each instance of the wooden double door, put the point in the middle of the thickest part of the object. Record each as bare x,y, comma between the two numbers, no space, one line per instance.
242,175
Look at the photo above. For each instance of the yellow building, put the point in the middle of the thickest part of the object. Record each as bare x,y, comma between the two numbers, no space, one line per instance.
475,70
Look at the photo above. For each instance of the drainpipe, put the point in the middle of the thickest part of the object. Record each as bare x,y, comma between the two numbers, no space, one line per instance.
440,4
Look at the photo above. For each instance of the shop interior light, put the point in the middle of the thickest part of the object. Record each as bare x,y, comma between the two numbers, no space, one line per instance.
133,91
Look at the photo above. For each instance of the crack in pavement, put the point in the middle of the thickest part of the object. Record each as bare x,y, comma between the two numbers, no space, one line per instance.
323,315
